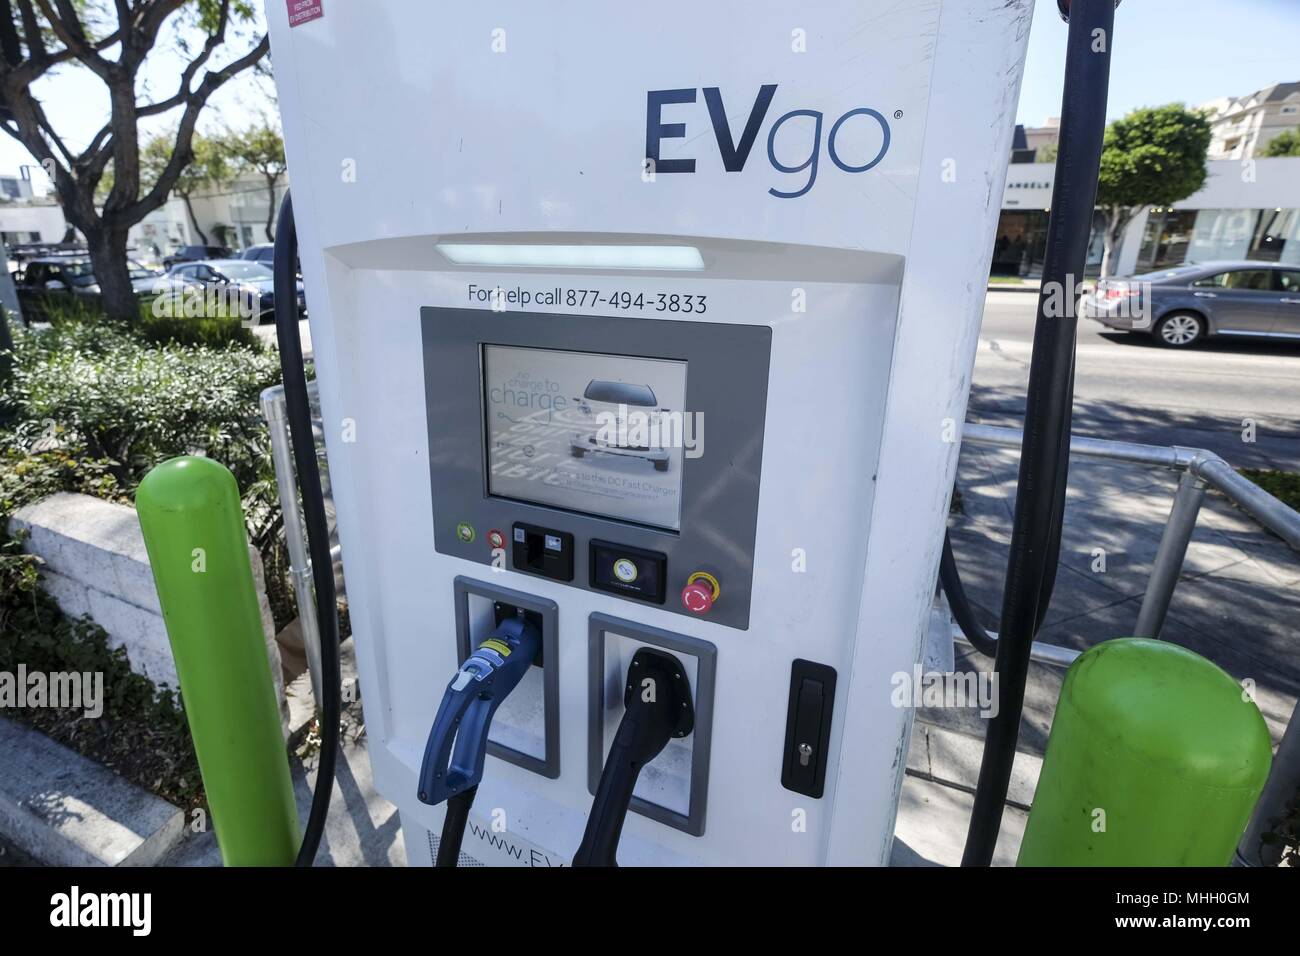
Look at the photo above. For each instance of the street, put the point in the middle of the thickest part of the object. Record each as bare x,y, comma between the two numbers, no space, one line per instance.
1129,388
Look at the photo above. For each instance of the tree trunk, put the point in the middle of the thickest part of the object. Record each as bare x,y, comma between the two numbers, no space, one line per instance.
270,207
1119,220
194,220
107,246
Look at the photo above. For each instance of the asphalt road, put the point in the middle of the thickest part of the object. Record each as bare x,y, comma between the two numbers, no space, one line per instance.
1127,387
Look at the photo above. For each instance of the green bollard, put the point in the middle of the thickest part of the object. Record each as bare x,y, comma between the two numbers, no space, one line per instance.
194,531
1156,758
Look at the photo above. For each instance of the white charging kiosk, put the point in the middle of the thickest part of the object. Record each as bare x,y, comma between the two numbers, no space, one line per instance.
656,325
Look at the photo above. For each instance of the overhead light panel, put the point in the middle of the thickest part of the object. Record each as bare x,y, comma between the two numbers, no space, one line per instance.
539,256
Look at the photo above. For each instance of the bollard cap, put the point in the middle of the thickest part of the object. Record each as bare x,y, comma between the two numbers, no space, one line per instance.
1175,708
185,484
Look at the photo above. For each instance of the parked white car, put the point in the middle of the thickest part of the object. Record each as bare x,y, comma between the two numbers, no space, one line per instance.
604,404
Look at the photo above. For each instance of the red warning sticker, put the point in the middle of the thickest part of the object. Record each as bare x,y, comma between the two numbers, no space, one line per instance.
304,11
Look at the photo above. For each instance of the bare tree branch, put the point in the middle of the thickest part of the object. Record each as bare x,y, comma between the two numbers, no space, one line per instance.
96,158
48,129
211,82
32,29
32,129
187,75
10,47
67,27
124,14
152,20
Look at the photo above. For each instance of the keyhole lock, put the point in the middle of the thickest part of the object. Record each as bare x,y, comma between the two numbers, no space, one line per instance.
805,751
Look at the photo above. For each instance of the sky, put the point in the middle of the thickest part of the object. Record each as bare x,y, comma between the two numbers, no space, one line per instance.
76,101
1164,51
1170,51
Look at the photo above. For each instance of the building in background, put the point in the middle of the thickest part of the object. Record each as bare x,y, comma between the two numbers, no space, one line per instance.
1248,209
233,214
1026,206
16,187
25,215
31,220
1046,137
1036,144
1243,125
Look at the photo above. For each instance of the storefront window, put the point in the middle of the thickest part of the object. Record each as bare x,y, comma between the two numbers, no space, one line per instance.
1022,242
1222,234
1278,237
1022,237
1167,238
1096,243
1171,237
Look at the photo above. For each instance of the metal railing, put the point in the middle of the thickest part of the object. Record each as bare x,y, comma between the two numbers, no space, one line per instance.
1201,469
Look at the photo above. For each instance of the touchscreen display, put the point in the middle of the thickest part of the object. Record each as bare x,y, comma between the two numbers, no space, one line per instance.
588,432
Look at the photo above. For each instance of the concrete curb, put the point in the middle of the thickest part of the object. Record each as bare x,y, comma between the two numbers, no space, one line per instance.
937,796
67,810
96,564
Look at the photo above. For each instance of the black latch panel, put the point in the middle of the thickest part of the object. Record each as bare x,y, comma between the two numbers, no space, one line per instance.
808,727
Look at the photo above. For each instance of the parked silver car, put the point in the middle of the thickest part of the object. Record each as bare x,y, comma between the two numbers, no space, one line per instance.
250,284
1182,306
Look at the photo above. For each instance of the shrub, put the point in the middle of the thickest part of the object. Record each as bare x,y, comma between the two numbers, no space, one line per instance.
211,332
93,405
133,407
156,325
73,330
1283,485
159,324
27,475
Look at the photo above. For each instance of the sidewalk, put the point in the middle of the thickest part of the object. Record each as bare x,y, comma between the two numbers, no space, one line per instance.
362,828
1236,602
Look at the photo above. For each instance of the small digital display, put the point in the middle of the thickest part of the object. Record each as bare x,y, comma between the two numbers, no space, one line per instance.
588,432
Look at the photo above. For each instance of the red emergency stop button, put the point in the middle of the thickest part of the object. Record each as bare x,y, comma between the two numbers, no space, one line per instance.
700,592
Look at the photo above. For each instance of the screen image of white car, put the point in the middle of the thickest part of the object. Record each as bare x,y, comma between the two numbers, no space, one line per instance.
585,431
623,420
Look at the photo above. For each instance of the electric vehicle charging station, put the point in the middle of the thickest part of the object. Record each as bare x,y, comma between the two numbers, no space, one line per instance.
765,230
